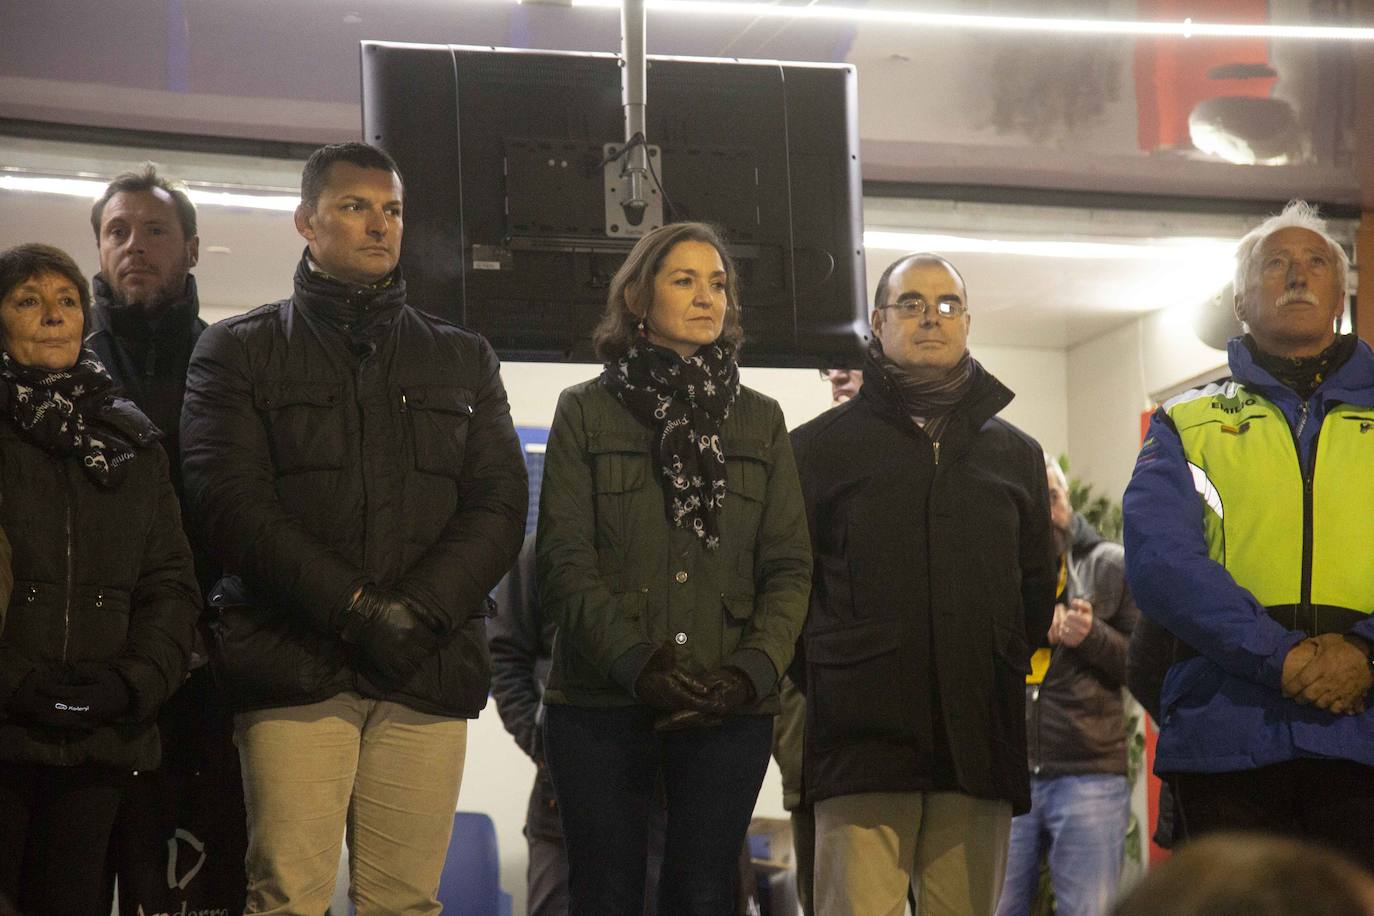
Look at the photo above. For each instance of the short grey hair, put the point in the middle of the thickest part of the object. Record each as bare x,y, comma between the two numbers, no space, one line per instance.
1299,214
1057,472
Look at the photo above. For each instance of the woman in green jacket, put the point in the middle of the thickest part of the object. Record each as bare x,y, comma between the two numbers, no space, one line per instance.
673,555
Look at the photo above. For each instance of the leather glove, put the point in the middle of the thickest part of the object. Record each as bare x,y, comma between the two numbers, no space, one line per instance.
47,699
729,689
391,633
663,685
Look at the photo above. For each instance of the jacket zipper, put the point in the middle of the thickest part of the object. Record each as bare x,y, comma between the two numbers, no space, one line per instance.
936,444
67,606
1035,728
1308,472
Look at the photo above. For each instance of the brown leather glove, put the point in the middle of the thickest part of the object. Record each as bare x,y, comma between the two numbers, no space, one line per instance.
663,685
729,689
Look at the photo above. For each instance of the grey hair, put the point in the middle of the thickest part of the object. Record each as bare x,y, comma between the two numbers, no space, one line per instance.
1299,214
1057,472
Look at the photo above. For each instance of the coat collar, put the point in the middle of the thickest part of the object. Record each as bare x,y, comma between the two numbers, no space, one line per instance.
1352,383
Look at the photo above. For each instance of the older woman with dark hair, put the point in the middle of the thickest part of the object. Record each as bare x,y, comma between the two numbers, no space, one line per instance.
101,621
673,554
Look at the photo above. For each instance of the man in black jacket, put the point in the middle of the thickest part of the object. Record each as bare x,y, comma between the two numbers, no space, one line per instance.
1075,727
144,324
353,464
934,576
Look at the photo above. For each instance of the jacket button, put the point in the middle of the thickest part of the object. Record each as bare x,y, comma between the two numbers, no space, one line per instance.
681,577
680,639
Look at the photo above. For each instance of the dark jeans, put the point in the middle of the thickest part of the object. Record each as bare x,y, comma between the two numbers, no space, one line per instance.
54,826
607,765
1329,801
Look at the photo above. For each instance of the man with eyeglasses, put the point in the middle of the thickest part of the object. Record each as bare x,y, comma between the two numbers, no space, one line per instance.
934,578
1247,528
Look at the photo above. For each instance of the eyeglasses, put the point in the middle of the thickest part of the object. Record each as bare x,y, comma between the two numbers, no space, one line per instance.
910,308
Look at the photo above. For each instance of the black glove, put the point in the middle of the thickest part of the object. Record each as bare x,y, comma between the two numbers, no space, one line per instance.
663,685
392,634
48,699
729,689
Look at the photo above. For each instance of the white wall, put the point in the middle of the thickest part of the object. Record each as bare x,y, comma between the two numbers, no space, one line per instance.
1114,377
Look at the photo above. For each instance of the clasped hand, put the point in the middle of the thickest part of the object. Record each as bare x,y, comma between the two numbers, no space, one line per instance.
690,701
1330,672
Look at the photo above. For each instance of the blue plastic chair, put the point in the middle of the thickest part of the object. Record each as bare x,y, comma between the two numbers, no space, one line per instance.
471,882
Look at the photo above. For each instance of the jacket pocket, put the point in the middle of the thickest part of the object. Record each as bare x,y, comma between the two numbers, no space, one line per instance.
100,624
305,424
439,416
259,658
854,677
620,470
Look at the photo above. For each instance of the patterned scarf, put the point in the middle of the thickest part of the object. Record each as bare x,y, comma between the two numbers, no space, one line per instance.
930,403
1304,374
685,402
58,410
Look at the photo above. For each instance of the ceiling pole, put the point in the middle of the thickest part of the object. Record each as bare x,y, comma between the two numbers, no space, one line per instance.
632,97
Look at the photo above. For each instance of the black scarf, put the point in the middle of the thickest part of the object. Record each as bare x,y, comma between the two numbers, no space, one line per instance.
1303,374
930,403
685,402
59,410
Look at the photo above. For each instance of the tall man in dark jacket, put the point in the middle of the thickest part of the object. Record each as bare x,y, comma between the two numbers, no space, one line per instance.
934,576
353,463
144,324
1075,727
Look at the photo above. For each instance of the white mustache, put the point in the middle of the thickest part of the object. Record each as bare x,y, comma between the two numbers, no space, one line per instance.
1296,295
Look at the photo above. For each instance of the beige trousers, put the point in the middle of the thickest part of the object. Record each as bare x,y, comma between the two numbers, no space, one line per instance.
387,774
949,847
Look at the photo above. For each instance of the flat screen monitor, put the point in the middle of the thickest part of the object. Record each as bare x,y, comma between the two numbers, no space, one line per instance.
507,225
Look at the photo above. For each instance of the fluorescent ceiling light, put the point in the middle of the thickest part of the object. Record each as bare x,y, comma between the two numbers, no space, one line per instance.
201,195
1187,28
1171,249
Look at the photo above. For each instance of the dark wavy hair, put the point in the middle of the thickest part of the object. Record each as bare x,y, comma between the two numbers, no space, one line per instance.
633,283
24,262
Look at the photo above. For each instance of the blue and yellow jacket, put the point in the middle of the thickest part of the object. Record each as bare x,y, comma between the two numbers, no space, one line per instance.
1247,507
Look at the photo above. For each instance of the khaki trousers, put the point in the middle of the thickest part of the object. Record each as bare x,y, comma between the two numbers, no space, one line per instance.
387,774
949,847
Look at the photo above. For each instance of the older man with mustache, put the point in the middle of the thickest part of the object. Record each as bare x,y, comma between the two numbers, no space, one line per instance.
1247,532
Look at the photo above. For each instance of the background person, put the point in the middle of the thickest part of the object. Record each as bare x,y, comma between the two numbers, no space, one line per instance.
144,324
672,554
100,625
521,638
1251,874
1076,727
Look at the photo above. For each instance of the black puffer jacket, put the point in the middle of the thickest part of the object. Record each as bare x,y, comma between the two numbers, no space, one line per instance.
931,583
1074,718
99,575
340,437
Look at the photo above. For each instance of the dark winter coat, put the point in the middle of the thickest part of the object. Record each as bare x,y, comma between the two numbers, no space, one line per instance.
521,636
1074,718
100,574
341,437
932,583
148,360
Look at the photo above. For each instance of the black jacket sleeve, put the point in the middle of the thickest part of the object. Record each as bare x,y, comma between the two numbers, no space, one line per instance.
515,637
481,540
1039,563
163,607
231,487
